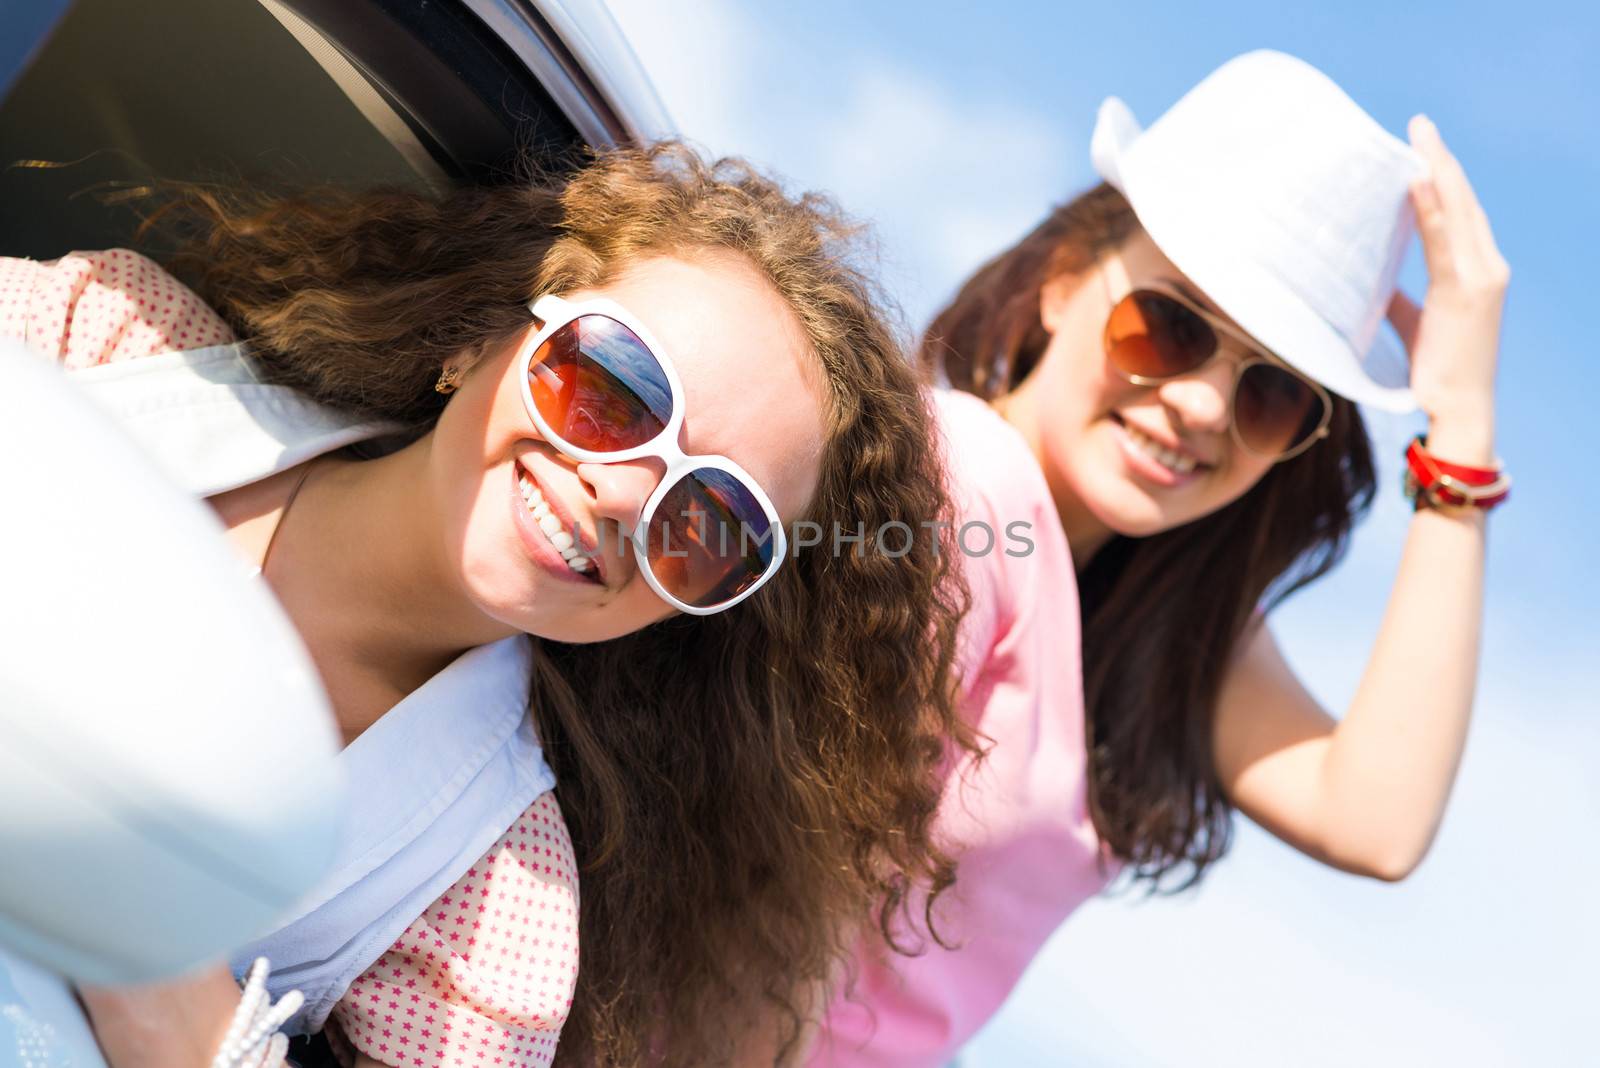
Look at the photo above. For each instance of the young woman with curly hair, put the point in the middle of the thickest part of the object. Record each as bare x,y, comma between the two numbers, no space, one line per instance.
448,475
1171,363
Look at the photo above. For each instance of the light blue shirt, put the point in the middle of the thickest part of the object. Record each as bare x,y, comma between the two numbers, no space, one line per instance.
438,778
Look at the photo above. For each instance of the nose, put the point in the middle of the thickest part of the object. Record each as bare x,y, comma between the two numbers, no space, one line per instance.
1200,398
618,491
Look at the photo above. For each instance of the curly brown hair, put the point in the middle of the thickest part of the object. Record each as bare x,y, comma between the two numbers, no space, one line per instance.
1154,793
742,789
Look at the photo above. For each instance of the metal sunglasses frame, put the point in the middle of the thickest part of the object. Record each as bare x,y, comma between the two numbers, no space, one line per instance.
555,313
1219,327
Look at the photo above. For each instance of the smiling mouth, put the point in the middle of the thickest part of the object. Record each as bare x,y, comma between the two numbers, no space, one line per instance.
549,524
1177,464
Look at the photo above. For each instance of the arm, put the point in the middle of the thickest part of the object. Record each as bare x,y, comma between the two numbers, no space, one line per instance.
174,1024
1366,794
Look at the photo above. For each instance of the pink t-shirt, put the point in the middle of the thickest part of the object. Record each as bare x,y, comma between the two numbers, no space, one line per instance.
1027,848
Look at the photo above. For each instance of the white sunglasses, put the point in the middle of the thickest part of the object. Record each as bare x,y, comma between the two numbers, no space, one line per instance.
599,388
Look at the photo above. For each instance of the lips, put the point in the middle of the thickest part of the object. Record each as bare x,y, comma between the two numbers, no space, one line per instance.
540,544
1147,467
583,535
1175,451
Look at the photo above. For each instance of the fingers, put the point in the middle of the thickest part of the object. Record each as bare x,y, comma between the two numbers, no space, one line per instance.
1455,220
1406,315
1440,228
1436,250
1455,192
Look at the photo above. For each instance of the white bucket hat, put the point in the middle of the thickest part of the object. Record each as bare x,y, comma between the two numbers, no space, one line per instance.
1287,205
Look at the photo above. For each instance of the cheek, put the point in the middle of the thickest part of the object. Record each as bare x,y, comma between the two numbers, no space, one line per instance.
1241,477
462,477
1076,432
634,609
1213,494
471,476
476,441
486,549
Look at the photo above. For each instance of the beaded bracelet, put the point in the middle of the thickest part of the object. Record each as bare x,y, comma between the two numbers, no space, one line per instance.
253,1039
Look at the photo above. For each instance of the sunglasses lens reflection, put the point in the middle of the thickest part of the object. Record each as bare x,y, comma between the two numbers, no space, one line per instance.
1275,410
709,539
599,386
1153,336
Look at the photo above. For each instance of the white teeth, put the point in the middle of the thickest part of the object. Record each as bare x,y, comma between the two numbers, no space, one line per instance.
550,523
1166,457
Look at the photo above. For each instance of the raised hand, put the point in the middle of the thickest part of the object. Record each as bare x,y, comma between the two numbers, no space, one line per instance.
1454,338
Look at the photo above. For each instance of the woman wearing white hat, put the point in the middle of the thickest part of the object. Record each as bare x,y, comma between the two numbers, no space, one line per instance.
1179,354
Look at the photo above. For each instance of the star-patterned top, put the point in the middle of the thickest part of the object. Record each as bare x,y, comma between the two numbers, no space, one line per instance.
485,976
90,308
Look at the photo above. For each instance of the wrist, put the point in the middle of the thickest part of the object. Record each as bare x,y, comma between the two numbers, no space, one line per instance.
1463,437
1433,481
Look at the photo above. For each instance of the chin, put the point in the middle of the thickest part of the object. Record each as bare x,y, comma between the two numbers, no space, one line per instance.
597,629
593,624
500,594
1135,525
1128,511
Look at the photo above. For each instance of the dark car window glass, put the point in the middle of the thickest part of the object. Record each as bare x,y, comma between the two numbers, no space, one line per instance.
190,89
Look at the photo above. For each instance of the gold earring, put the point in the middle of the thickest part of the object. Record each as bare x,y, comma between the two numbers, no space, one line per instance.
449,380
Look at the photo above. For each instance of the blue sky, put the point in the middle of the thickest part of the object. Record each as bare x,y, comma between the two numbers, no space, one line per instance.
953,129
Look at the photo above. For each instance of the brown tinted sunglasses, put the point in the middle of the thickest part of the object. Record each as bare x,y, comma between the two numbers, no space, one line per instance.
1155,333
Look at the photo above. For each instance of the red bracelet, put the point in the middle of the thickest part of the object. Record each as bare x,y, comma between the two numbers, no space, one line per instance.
1431,481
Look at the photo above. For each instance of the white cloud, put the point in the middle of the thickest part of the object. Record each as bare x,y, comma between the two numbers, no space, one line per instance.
950,181
946,181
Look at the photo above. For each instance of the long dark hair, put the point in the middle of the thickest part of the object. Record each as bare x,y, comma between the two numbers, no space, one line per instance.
1156,642
742,789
